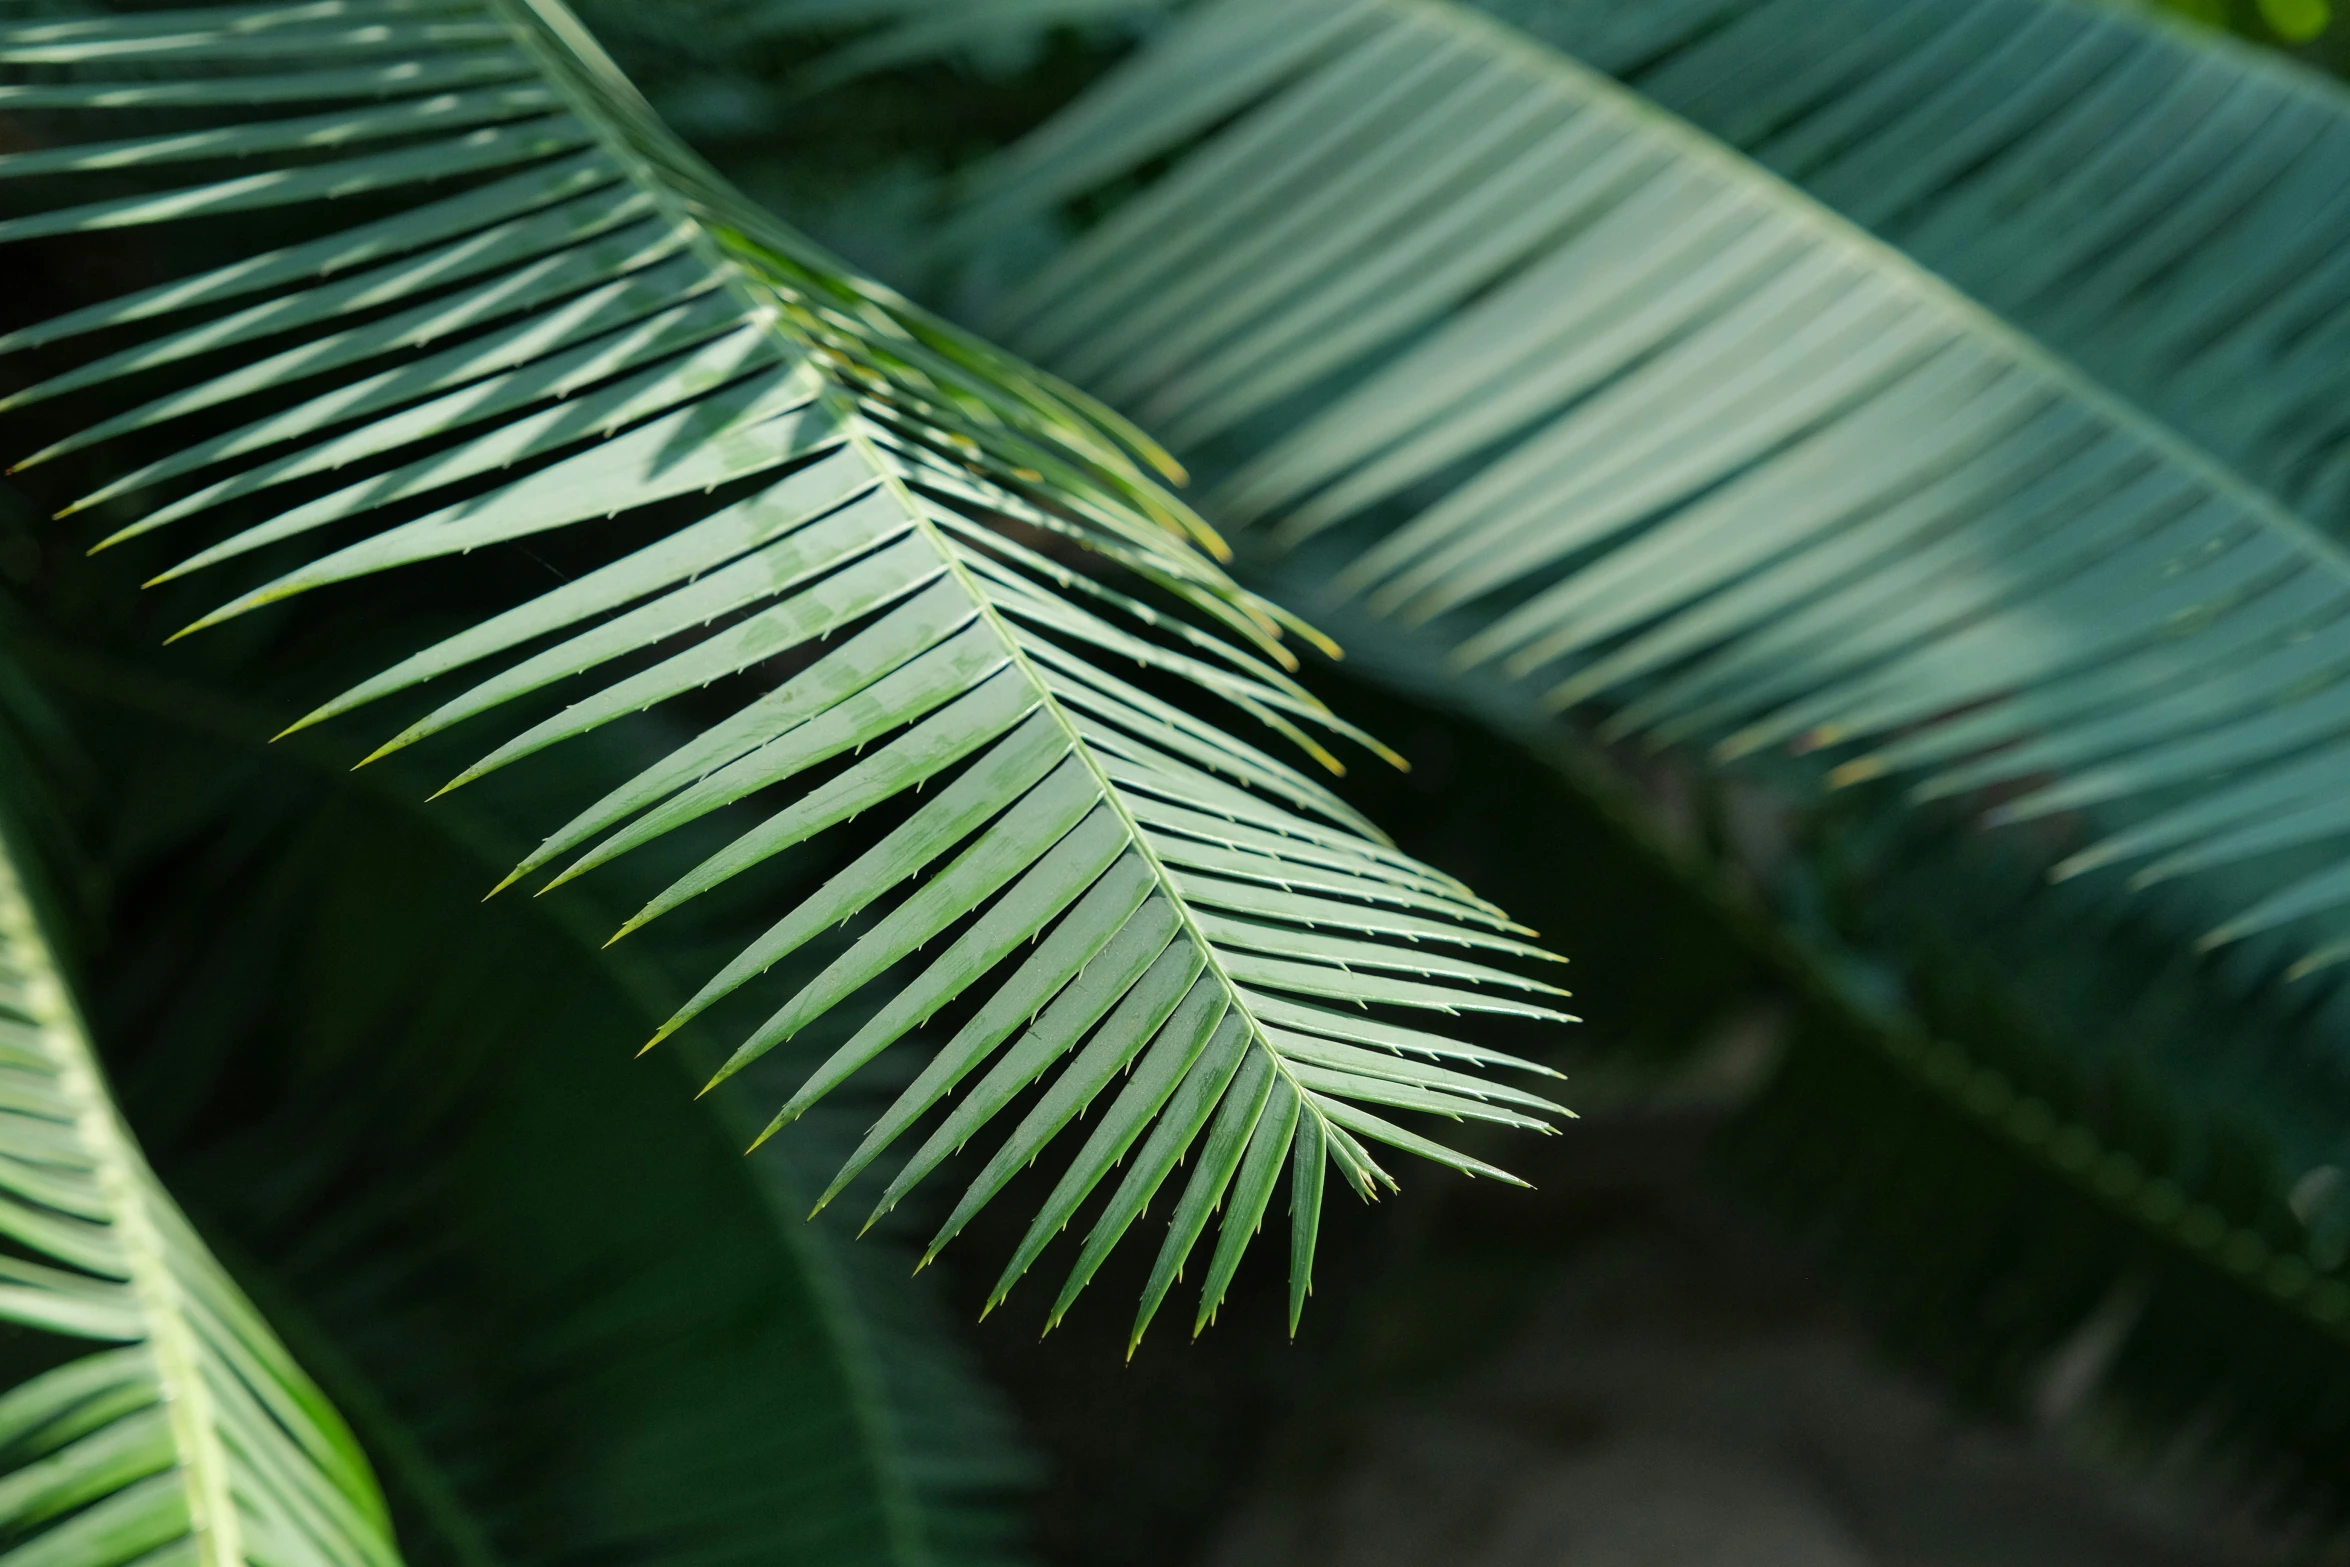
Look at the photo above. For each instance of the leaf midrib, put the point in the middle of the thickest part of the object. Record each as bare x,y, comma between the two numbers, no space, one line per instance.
1188,924
844,402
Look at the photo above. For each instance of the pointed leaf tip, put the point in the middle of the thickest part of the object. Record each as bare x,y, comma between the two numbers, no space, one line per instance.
396,743
577,868
306,721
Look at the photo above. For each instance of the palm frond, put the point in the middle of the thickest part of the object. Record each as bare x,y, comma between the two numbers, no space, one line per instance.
628,331
1624,414
194,1437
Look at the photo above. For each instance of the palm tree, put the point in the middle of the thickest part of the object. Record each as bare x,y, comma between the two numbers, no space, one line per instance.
1937,396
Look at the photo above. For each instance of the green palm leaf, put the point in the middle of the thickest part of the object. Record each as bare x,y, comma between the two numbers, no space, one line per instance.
1619,412
602,324
195,1438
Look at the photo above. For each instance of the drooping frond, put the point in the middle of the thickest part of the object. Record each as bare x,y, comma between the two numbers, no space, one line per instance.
597,323
194,1437
1625,414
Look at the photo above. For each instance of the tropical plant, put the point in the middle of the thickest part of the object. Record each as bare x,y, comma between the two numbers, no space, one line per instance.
687,342
1852,395
1931,404
919,558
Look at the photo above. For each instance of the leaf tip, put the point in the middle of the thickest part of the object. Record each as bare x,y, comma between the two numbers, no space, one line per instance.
306,721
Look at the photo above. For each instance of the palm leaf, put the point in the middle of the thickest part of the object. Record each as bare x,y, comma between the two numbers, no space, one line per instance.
194,1437
628,331
1637,419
